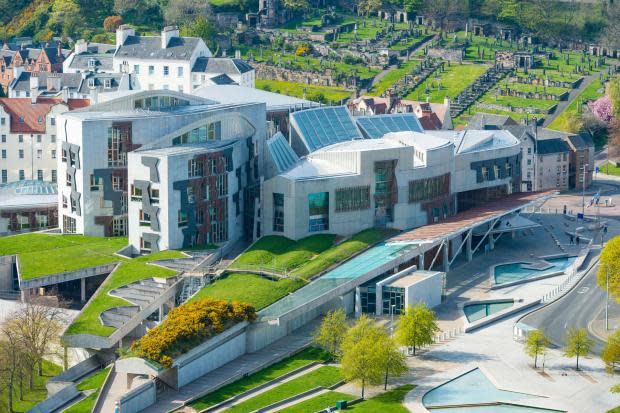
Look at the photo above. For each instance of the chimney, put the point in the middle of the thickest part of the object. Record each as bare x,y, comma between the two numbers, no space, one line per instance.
224,53
168,34
65,94
54,82
59,49
94,95
81,46
122,33
34,88
446,123
237,54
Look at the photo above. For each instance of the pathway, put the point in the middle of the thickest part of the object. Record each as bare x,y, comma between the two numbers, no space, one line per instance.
113,392
562,105
246,364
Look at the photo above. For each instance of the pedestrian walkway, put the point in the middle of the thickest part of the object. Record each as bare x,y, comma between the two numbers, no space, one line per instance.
574,94
242,366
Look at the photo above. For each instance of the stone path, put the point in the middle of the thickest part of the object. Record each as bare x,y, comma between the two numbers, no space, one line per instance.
562,105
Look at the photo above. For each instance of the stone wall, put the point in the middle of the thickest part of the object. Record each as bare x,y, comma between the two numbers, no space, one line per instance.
271,72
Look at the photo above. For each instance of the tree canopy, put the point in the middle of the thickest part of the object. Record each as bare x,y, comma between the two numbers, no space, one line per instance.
417,327
578,344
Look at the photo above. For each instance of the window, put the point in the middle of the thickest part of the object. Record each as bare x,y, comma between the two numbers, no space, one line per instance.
96,183
53,153
508,169
117,137
21,119
64,155
3,138
41,219
145,219
64,202
54,176
485,173
92,63
4,154
529,162
68,224
428,189
155,196
166,70
278,212
22,175
318,207
39,153
151,70
119,226
20,138
145,245
39,175
21,154
496,173
190,195
5,177
2,121
40,121
206,192
182,219
222,185
136,193
214,130
213,167
107,83
194,168
117,183
565,156
136,69
53,121
69,179
73,204
180,71
352,199
529,151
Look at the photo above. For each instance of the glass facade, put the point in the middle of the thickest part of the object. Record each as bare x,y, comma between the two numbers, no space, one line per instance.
159,102
318,206
352,199
427,189
385,192
368,298
278,212
211,131
393,296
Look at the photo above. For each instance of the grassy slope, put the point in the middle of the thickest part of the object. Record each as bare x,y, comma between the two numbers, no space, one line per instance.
318,403
34,396
331,93
94,382
562,122
324,376
392,77
453,81
391,401
300,359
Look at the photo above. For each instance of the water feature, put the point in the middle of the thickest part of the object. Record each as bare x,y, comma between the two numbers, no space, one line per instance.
518,271
475,312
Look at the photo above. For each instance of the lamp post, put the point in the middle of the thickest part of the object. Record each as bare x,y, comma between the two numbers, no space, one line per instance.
583,192
606,299
392,307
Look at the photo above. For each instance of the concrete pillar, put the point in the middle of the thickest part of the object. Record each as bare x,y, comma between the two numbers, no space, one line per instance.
161,313
358,302
421,262
82,289
468,250
446,256
491,242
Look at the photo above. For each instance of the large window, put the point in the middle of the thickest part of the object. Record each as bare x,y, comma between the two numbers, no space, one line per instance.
318,205
210,131
428,189
68,224
119,226
118,136
278,212
352,199
194,168
159,102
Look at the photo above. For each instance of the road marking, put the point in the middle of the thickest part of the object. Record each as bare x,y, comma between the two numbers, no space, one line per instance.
583,290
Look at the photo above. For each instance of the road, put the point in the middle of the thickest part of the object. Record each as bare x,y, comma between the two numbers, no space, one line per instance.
576,309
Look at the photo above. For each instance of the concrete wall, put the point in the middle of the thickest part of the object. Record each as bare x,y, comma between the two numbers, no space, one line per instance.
139,398
427,291
56,401
7,267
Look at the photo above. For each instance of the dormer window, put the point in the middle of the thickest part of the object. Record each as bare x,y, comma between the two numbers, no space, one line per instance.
91,82
107,83
21,119
92,63
40,120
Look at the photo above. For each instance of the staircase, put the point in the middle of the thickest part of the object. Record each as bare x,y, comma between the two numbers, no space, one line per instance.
474,91
191,285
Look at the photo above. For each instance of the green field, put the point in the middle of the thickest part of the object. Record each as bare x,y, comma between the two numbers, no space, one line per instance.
391,401
515,102
325,376
563,122
301,359
610,169
323,94
34,396
249,288
93,383
452,81
392,77
318,403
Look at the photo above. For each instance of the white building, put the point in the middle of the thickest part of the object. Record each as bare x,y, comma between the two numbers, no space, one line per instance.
28,137
95,143
175,63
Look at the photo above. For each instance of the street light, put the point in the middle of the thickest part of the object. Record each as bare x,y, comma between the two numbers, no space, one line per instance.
392,307
606,298
583,192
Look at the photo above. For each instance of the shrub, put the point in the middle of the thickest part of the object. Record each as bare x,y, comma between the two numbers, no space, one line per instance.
111,23
189,325
303,49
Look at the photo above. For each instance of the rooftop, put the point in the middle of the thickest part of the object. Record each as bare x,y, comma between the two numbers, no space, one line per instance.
27,117
426,141
469,141
377,126
362,145
241,94
149,47
412,278
27,194
187,149
223,65
551,146
281,152
324,126
309,168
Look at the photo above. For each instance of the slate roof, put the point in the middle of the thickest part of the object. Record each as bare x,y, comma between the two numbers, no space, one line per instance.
69,80
30,118
580,142
490,121
102,61
550,146
223,79
149,47
221,65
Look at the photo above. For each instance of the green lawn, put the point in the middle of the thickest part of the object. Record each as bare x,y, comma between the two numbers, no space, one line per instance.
274,371
563,122
249,288
318,403
94,382
34,396
616,410
511,102
391,401
610,169
449,83
392,77
323,376
326,94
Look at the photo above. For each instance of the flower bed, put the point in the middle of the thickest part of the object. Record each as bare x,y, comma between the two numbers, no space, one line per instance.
188,326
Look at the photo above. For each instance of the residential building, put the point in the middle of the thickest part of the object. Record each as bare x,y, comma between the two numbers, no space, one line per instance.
552,164
90,57
98,186
28,137
14,62
581,165
342,174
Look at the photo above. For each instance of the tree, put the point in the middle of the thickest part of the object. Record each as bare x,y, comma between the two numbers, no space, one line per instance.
181,12
330,334
611,34
417,327
578,344
609,266
412,6
111,23
297,5
201,28
365,7
361,354
393,361
443,11
536,345
12,362
611,352
613,90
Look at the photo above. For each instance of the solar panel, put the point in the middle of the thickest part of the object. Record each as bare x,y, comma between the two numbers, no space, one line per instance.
322,127
377,126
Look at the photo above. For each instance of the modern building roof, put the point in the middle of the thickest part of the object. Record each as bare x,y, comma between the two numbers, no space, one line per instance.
149,48
324,126
581,141
223,65
26,194
222,79
376,126
468,141
550,146
242,94
281,152
426,141
27,117
311,168
362,145
188,149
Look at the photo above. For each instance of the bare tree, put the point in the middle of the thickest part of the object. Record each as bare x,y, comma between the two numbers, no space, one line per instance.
611,34
13,358
444,11
181,12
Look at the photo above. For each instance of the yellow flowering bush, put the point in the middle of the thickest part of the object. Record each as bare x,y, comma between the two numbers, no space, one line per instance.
188,326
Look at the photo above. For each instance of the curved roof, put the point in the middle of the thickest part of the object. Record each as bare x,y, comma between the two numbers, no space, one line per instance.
324,126
376,126
24,194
